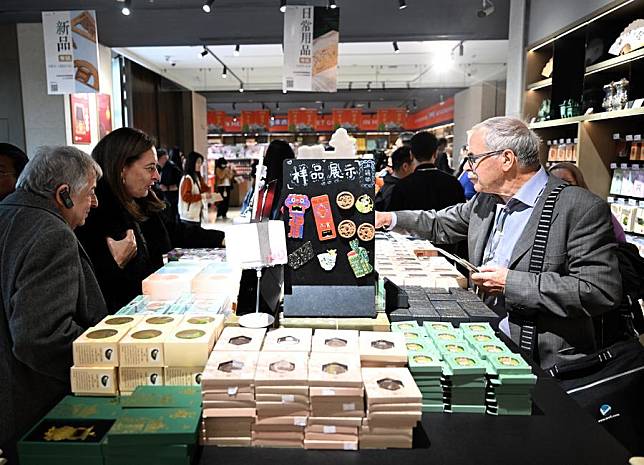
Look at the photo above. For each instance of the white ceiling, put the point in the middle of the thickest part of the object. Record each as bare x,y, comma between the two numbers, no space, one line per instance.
421,64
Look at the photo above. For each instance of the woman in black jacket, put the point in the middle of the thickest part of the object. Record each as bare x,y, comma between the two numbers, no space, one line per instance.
124,236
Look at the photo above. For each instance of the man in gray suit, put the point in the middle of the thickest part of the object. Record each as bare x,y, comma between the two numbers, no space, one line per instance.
48,292
580,278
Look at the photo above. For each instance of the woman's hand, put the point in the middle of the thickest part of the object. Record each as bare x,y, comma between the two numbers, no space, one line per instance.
124,250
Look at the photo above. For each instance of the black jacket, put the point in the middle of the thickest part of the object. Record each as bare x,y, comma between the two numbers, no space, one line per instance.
110,219
426,188
383,197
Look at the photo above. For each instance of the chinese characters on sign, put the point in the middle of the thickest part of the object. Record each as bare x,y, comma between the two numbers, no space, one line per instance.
323,173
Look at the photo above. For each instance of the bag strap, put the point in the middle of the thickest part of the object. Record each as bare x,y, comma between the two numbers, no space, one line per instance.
528,336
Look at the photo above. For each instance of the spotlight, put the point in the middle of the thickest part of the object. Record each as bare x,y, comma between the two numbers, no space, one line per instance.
383,85
277,105
332,4
241,87
369,86
272,118
396,49
350,84
486,9
284,91
413,104
283,6
234,106
207,6
224,73
173,64
235,119
125,10
322,105
460,49
369,105
236,52
408,85
402,4
203,53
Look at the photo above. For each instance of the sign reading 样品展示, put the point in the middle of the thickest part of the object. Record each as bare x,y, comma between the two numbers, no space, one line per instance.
311,36
71,52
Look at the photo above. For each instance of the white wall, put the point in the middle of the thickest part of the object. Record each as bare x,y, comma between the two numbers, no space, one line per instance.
516,57
200,123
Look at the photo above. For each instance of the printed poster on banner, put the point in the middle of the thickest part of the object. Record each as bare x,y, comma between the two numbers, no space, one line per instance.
81,129
311,36
104,109
71,51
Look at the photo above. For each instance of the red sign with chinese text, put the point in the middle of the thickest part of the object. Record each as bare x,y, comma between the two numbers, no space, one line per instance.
369,122
392,119
216,121
255,120
348,118
440,113
104,110
302,120
232,124
324,122
279,123
81,128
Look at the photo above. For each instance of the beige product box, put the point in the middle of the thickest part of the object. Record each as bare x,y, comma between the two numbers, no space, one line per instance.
331,429
199,320
94,381
98,347
288,340
240,394
281,410
241,415
335,340
351,444
348,409
282,369
385,442
284,398
334,370
293,420
380,346
289,435
183,376
627,218
291,428
167,286
142,347
282,443
160,322
330,437
230,371
130,377
120,321
412,407
394,419
187,345
334,421
330,393
390,385
639,221
225,442
235,339
295,390
234,403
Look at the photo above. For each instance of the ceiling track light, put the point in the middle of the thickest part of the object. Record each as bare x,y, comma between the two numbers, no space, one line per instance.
277,105
224,73
283,6
395,44
125,9
207,6
234,106
369,105
487,8
369,86
236,52
203,53
402,4
332,4
383,85
461,49
350,84
241,87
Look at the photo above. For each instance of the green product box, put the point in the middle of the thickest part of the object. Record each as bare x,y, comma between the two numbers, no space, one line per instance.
464,363
446,336
468,408
484,338
438,326
71,460
402,326
95,408
420,345
477,328
455,347
75,438
431,408
164,397
487,349
173,451
424,362
155,426
511,364
518,379
142,460
413,335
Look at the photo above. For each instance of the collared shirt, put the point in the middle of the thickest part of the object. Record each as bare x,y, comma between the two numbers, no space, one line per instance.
511,219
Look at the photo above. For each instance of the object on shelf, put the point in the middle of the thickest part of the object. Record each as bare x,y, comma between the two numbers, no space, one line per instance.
594,51
544,110
630,39
569,108
547,69
616,95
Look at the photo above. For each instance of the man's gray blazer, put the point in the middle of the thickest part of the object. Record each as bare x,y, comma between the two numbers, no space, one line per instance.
580,277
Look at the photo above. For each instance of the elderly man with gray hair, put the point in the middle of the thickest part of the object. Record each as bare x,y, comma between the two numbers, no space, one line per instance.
551,309
48,292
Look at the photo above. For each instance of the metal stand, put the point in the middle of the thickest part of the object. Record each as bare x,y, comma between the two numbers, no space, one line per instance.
257,319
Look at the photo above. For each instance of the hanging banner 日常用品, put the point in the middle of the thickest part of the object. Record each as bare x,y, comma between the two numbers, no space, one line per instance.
311,36
71,51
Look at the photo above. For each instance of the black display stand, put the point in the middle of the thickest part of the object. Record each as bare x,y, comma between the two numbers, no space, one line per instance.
310,290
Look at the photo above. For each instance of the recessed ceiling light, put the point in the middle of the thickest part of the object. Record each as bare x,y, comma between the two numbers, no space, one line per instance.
283,6
332,4
125,10
207,6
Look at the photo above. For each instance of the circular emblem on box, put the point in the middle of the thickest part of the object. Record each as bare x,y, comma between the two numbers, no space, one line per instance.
101,333
119,320
159,320
190,334
146,334
200,320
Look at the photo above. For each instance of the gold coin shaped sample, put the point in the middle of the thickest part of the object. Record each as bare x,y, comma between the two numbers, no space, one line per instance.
146,334
335,368
382,344
390,384
454,348
446,336
406,326
281,366
347,229
335,342
482,338
477,328
159,320
492,348
423,359
465,361
345,200
200,320
410,335
288,340
118,320
413,346
101,333
190,334
366,232
508,361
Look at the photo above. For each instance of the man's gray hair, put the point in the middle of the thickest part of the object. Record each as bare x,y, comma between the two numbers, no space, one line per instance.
504,132
52,166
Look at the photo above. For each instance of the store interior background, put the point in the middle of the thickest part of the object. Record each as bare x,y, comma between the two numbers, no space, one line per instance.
158,81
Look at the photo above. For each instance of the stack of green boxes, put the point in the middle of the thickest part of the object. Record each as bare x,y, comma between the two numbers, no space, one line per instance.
158,426
424,364
510,381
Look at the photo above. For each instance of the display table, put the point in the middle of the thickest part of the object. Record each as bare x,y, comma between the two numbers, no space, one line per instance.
558,432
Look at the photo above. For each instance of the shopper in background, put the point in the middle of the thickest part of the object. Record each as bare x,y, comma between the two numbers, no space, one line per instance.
442,160
12,162
176,156
269,199
224,176
402,166
570,173
194,196
125,236
463,175
48,292
426,188
580,277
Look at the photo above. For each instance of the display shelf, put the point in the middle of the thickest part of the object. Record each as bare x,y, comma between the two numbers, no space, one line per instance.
540,84
626,113
612,63
557,122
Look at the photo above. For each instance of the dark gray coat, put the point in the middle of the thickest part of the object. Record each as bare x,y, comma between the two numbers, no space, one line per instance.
48,297
580,277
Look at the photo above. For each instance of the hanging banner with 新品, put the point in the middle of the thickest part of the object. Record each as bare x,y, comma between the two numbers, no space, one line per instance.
81,128
216,121
302,120
255,120
347,118
311,36
71,51
439,113
104,109
392,119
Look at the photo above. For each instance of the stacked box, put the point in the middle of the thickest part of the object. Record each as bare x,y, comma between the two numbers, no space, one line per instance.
288,340
120,322
394,406
335,341
380,349
86,408
510,384
235,339
146,305
426,368
217,279
172,280
282,399
336,394
464,382
228,389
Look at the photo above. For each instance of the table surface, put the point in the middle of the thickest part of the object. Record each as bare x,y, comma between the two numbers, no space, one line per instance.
557,432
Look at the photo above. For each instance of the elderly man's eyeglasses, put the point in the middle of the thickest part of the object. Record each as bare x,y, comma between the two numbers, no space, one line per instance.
473,159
